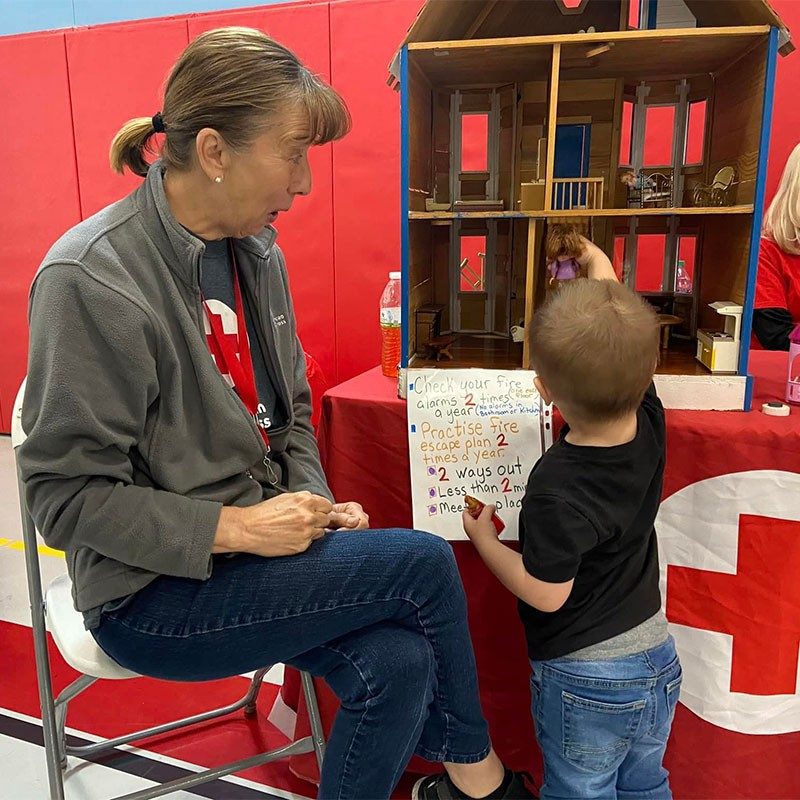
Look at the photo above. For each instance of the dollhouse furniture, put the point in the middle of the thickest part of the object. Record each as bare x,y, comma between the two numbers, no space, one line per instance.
716,193
648,189
428,323
719,350
506,107
666,321
439,347
656,191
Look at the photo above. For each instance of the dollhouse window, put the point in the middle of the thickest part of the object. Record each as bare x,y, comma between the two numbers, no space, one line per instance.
472,263
695,133
659,129
651,248
633,15
474,142
626,134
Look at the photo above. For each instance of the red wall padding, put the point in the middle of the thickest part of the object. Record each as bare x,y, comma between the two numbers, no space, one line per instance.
366,171
116,72
786,111
340,242
306,233
38,188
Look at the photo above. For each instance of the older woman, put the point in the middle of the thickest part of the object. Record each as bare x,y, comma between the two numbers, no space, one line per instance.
170,452
777,304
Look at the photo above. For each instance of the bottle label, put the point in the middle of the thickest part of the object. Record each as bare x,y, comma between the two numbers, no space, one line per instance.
390,316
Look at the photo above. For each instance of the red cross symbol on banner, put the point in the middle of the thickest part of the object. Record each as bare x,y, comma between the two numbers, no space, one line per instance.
759,606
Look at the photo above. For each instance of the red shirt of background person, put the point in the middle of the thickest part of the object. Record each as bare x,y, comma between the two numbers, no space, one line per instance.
777,303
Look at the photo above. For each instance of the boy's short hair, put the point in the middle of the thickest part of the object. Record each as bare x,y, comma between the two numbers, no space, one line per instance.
595,345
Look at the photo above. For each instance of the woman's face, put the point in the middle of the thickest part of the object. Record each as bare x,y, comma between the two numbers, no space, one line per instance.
262,180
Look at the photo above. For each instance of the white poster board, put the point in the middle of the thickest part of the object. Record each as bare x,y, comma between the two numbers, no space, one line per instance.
476,432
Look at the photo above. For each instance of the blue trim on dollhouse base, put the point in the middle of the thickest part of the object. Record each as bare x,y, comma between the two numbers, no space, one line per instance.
404,207
758,204
748,394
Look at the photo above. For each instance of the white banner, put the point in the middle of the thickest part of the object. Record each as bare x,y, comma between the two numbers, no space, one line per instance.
726,532
472,432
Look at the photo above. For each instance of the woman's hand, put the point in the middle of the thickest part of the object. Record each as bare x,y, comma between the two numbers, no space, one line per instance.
349,515
284,525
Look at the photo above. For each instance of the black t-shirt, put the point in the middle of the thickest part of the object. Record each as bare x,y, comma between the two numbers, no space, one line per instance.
588,514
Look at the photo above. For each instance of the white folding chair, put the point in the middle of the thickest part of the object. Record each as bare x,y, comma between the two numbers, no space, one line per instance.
55,611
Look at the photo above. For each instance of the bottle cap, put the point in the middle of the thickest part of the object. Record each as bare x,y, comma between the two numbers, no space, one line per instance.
395,276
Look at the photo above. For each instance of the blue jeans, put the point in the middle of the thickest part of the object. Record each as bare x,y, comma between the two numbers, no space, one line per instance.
603,725
380,615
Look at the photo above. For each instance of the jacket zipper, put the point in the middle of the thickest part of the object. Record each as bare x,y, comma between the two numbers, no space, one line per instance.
269,332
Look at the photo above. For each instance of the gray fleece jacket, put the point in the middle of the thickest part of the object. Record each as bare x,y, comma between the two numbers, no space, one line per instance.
135,441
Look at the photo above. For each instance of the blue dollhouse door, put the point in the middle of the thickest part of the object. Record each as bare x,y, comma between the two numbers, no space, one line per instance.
571,161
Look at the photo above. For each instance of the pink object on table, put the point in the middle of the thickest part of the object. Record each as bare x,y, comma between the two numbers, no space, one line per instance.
793,376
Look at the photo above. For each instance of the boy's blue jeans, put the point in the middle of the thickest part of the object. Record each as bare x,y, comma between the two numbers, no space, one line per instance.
380,614
603,725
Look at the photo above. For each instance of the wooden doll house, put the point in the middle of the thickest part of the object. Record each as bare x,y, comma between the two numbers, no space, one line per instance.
644,124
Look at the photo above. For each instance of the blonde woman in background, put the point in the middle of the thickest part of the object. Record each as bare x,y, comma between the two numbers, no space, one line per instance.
777,303
170,451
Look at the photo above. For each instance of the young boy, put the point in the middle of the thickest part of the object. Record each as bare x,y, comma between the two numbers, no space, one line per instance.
606,676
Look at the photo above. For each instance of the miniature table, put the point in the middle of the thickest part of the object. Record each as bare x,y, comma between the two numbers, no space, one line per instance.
666,321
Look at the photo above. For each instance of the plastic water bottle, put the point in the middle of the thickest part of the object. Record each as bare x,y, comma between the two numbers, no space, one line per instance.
683,283
390,326
793,378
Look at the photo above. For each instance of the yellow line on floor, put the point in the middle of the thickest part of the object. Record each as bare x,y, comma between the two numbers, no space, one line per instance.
44,550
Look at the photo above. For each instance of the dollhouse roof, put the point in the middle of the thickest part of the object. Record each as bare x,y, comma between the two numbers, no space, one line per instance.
450,20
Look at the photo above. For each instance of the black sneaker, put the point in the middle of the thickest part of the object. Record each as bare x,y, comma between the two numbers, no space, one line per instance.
440,787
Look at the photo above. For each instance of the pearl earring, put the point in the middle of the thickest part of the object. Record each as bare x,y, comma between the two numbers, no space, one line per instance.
218,179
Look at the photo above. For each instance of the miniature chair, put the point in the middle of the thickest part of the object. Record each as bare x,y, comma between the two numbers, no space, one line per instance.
439,347
715,193
79,649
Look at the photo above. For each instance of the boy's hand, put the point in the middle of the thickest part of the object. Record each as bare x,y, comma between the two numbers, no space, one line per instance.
481,528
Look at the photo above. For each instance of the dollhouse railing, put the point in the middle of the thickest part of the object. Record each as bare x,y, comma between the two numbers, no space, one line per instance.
577,193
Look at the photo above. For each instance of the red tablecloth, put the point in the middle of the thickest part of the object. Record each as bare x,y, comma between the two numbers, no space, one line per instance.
365,452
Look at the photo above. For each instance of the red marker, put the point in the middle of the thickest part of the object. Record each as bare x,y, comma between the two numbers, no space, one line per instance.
474,508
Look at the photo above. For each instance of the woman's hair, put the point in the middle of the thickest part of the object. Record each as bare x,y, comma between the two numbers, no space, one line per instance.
233,80
563,240
782,220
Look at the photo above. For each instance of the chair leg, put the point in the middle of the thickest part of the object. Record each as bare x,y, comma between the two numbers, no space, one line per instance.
61,735
252,694
61,706
317,732
43,679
